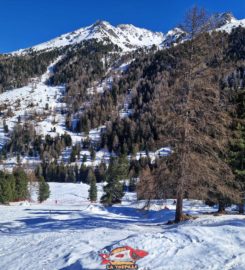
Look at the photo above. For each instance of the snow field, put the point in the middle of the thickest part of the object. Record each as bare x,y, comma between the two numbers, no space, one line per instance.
67,232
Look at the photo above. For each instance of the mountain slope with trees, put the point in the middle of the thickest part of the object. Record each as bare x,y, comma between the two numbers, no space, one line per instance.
188,97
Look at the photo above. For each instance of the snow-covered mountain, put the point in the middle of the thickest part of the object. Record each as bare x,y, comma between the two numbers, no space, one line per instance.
173,36
126,36
129,37
217,22
226,22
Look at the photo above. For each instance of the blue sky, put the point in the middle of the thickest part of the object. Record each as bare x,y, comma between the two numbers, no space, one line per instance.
24,23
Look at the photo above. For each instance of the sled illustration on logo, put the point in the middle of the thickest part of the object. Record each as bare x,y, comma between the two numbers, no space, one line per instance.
122,258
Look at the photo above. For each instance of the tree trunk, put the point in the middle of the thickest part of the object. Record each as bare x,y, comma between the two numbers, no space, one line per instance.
179,207
241,208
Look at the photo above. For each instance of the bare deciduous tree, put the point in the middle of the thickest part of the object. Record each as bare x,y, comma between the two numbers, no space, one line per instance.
195,124
195,21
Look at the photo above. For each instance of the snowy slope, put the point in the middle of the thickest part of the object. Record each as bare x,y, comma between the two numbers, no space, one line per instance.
67,233
32,98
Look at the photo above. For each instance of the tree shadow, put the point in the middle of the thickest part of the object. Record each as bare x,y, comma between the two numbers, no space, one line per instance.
115,217
145,216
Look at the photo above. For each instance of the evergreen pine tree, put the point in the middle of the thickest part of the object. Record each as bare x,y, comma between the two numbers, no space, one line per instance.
5,189
76,172
114,189
71,174
21,184
11,182
73,155
93,187
83,173
43,192
123,167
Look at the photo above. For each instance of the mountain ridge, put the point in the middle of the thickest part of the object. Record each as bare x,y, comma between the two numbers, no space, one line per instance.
126,36
129,37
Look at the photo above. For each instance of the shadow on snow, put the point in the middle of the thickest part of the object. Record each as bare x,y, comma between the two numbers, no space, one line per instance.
115,217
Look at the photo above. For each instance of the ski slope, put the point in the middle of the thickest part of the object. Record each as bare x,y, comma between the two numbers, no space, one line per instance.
67,232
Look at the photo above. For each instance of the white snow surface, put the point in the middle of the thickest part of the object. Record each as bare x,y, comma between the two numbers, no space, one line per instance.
231,25
67,232
32,98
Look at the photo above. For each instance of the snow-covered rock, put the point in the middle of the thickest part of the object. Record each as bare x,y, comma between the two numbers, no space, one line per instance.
173,37
227,22
217,22
220,19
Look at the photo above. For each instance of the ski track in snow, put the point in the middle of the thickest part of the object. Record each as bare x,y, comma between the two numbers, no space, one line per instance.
67,233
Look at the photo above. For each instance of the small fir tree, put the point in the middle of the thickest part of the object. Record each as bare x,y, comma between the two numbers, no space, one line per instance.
117,171
93,187
21,184
43,192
